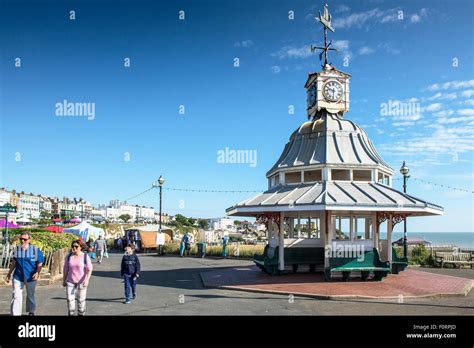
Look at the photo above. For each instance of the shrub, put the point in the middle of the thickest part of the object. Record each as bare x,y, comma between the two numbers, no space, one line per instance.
245,251
45,240
421,256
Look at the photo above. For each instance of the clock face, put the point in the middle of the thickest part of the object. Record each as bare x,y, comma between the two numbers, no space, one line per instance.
332,91
311,96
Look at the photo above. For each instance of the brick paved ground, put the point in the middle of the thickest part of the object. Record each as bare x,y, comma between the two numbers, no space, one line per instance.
167,280
409,283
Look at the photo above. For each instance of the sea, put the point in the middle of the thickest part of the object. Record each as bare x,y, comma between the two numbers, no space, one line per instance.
464,240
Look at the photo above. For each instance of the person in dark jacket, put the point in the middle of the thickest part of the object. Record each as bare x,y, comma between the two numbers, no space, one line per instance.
130,271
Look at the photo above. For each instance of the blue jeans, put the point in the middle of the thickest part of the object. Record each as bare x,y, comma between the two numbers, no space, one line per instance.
130,281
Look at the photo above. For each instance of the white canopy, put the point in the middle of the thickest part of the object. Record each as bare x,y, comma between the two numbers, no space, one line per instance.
86,231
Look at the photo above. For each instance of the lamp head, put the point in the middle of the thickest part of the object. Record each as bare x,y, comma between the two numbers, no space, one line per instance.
404,170
161,180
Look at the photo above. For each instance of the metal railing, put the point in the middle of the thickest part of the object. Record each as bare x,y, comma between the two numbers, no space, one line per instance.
7,254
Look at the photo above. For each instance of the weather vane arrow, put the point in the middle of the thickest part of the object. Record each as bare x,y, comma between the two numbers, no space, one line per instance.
325,20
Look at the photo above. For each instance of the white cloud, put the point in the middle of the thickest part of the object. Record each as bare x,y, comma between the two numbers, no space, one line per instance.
342,8
451,85
356,19
244,44
275,69
293,52
359,19
468,93
343,47
433,107
444,113
464,112
443,96
456,119
365,50
403,124
415,18
444,140
469,102
388,47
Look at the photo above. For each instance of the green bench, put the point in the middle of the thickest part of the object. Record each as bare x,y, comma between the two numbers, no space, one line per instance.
398,263
268,261
370,263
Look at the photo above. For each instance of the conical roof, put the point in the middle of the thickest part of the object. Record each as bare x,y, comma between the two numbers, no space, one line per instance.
329,140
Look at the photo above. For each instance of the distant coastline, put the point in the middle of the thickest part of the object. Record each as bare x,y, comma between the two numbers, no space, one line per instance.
460,239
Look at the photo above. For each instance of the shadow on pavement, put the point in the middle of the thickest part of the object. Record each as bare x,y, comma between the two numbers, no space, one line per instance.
184,278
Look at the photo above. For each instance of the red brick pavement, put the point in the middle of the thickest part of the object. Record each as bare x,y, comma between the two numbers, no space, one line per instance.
409,283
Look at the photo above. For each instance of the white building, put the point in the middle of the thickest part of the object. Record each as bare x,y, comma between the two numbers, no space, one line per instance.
4,197
45,204
29,205
147,213
112,213
223,224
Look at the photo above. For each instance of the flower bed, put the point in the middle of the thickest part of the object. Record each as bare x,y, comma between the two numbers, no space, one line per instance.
45,240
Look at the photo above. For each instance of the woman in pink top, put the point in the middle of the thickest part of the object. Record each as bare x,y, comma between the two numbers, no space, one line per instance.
76,274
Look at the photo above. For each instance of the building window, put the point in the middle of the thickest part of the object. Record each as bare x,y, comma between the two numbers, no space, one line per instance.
275,180
360,229
312,175
363,229
383,179
293,178
307,228
361,175
380,178
342,230
340,174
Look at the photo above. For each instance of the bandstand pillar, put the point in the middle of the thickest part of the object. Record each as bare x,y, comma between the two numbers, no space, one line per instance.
376,230
292,228
299,226
367,228
389,238
330,228
281,242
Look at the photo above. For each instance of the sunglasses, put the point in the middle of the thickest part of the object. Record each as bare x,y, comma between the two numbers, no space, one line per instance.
24,239
76,246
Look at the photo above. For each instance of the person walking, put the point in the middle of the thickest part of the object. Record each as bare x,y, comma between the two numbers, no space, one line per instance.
27,263
130,271
185,246
76,275
225,241
100,246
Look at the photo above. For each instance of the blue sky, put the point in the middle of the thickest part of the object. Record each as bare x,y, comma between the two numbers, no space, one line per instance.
407,58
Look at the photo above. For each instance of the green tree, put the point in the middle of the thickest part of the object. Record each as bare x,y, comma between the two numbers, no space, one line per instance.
191,221
181,220
203,223
125,217
45,214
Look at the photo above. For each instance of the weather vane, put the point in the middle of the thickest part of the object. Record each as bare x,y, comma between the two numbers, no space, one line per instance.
325,20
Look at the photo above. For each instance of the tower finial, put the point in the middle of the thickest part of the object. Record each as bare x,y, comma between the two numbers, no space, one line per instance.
325,20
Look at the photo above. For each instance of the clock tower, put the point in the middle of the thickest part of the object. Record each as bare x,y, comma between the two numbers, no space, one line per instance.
329,88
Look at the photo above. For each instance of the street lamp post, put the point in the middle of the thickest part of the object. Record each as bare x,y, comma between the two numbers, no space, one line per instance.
159,184
404,171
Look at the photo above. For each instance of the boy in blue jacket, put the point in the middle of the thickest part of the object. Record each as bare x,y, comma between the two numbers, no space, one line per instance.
130,271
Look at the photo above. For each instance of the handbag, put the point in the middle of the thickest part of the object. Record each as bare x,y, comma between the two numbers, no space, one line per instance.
106,254
92,255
